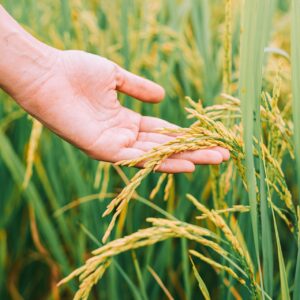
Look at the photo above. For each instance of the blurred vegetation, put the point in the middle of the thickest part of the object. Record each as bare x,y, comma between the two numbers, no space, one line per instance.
180,44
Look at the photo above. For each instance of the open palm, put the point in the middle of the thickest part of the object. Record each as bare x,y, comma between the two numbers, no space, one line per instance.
77,99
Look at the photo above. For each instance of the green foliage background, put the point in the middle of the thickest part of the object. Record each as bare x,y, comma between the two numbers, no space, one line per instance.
177,43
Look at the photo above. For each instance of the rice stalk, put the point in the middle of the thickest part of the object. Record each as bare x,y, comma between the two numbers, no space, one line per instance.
168,187
139,275
98,175
158,185
235,208
205,132
217,266
163,41
35,135
227,47
219,222
201,282
160,283
161,230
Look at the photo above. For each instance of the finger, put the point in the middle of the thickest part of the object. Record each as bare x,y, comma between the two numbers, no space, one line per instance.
176,166
224,152
167,166
150,124
201,157
138,87
198,157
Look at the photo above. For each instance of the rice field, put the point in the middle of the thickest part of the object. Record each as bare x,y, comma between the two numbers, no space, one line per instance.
75,228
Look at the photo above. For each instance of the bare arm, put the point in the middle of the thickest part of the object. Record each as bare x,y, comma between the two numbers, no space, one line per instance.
22,57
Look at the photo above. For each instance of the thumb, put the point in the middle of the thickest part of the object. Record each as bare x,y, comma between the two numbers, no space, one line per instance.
138,87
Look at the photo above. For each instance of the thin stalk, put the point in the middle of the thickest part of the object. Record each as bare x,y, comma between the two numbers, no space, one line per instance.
285,294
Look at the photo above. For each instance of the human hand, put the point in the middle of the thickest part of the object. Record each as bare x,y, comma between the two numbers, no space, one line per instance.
74,94
77,99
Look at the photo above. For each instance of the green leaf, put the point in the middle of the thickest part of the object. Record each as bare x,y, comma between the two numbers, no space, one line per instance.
201,283
3,257
134,289
296,293
266,231
186,269
31,194
285,294
255,30
295,58
139,276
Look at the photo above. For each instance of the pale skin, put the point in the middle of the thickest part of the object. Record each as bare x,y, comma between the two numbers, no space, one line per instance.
75,94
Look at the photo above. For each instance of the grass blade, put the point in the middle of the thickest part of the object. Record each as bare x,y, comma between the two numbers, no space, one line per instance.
255,25
296,293
131,285
186,269
285,294
139,276
160,283
201,283
295,58
3,257
17,171
266,234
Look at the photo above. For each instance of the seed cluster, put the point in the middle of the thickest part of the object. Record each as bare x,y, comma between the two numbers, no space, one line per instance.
208,130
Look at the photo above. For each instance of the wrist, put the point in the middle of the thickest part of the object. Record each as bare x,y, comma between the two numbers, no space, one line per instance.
23,59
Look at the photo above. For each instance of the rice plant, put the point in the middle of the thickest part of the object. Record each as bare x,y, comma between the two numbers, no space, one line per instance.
76,228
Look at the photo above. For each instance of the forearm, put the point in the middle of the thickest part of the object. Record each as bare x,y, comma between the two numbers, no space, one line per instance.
22,57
